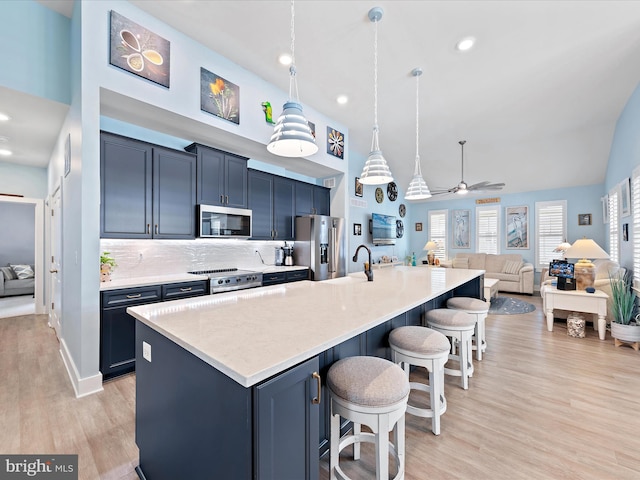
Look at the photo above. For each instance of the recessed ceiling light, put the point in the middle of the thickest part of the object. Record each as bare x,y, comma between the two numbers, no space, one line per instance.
465,44
4,117
285,59
342,99
5,153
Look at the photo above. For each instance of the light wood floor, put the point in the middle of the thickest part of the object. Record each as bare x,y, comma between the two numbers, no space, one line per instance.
541,405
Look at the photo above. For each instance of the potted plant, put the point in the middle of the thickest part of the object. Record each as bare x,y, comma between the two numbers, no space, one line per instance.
107,263
625,328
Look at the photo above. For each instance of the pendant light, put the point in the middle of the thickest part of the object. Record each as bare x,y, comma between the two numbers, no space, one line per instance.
375,170
292,136
418,189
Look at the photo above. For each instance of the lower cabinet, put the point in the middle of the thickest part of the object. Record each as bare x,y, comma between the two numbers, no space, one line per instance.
275,278
117,327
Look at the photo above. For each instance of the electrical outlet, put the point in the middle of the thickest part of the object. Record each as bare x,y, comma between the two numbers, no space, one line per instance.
146,351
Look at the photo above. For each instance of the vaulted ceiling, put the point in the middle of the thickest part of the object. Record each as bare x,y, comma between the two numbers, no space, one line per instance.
537,98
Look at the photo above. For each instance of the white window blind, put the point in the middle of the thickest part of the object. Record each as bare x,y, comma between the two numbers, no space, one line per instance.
635,205
614,223
551,230
487,228
438,232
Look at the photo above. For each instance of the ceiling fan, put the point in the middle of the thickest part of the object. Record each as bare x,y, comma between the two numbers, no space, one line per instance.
463,188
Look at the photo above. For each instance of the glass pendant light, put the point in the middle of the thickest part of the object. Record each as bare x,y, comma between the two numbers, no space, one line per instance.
292,136
375,170
418,189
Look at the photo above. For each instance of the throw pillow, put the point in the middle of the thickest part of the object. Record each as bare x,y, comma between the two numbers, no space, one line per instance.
460,263
8,273
23,271
511,268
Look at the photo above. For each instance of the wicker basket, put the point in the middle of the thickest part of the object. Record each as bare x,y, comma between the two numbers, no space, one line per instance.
575,325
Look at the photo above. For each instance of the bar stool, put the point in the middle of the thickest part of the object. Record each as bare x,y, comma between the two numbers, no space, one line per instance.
426,348
480,309
374,392
459,326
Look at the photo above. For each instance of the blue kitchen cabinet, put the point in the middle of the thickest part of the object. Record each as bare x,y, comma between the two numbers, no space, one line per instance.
221,177
311,199
272,200
147,191
321,200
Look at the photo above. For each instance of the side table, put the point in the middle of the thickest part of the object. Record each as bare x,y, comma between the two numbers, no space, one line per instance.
576,301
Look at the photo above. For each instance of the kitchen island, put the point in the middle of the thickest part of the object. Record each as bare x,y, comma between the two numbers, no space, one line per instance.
228,385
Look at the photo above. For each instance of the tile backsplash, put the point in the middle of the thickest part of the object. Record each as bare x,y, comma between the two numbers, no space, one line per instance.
142,258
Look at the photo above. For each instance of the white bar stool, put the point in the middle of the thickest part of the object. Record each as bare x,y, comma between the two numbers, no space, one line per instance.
480,309
460,327
374,392
426,348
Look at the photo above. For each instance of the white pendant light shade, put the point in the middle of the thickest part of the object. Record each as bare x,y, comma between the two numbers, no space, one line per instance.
375,170
418,189
292,136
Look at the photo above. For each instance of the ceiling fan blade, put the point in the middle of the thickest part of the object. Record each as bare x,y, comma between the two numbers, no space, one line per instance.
478,185
487,186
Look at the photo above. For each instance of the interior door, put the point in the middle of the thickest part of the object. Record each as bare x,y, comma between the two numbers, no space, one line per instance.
55,269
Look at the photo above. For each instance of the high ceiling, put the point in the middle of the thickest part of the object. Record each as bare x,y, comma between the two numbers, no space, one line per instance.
536,99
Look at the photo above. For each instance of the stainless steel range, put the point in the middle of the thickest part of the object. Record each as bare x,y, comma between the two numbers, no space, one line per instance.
228,279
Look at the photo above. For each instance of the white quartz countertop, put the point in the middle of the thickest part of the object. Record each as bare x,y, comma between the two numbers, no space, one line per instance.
251,335
152,280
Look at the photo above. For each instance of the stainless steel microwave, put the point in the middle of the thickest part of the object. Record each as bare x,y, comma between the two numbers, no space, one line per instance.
223,222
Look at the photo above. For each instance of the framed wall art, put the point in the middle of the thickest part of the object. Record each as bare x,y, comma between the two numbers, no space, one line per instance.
460,222
584,219
625,232
219,97
419,227
357,229
517,228
335,143
67,155
605,209
139,51
625,198
359,188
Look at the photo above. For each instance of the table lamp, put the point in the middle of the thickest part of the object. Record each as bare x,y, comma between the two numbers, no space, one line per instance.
586,250
430,247
562,248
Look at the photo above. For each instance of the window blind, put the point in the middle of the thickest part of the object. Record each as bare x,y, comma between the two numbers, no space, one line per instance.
551,230
438,232
635,233
614,223
487,228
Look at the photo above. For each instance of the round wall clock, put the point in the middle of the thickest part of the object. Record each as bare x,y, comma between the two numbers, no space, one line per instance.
379,195
402,210
392,191
399,229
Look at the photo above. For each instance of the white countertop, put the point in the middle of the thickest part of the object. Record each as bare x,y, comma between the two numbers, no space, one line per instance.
153,280
250,335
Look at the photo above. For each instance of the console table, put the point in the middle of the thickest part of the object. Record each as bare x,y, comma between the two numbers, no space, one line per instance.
576,301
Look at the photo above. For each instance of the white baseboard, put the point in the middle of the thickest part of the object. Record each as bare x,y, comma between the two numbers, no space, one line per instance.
82,386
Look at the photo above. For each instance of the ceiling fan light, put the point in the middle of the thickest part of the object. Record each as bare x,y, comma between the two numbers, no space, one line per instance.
292,135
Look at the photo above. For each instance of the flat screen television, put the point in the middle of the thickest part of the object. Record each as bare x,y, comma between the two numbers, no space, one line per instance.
383,229
561,269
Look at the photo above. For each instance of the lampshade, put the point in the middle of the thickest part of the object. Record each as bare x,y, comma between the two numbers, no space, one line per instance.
585,248
292,136
430,245
418,189
375,170
562,248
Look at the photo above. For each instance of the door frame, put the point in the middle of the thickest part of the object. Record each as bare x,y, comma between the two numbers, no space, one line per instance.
57,325
40,303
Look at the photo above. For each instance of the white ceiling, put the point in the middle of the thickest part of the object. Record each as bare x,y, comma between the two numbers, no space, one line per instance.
537,98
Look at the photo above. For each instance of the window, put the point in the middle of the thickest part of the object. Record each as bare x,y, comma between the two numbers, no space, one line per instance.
551,230
635,206
614,223
487,228
438,232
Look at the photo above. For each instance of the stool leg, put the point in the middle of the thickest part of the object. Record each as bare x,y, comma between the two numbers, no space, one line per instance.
335,440
357,429
464,369
398,441
479,339
434,397
382,448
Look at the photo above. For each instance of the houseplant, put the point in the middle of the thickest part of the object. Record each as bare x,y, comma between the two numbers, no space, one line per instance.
625,328
107,263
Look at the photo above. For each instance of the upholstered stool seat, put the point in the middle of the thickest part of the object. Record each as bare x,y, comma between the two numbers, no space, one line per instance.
423,347
480,309
374,392
460,327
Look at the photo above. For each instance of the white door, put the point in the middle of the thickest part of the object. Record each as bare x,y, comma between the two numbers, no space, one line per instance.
55,309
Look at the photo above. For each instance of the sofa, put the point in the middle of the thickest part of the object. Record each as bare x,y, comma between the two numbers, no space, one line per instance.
12,284
512,272
604,268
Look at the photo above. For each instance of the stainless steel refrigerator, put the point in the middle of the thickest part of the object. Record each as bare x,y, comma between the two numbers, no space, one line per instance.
321,245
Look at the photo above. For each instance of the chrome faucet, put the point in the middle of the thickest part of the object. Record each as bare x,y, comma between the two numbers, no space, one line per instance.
367,271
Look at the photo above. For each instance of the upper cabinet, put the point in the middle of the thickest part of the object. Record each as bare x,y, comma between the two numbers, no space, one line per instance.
222,177
272,200
146,191
312,199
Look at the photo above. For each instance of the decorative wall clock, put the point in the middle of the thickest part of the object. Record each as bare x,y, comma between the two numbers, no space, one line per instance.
402,210
379,195
399,229
392,191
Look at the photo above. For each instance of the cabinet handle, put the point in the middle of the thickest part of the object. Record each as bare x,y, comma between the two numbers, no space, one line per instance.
221,199
316,400
137,295
156,228
185,289
226,199
148,229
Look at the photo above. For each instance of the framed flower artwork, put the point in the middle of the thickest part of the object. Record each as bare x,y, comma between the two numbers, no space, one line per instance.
335,143
219,96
